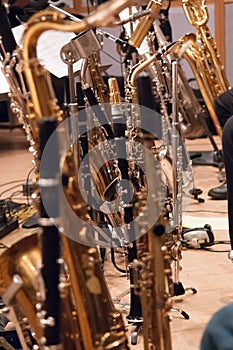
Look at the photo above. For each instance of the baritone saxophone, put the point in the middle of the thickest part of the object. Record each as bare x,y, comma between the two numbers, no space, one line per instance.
200,51
198,16
92,321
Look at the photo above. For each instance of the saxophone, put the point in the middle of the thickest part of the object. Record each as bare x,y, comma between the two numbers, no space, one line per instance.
203,59
92,319
189,50
152,268
191,113
197,14
154,284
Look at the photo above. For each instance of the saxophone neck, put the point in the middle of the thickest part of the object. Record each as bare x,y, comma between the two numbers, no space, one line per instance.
37,77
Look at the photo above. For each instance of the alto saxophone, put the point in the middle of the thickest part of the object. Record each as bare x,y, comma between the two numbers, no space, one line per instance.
92,319
159,70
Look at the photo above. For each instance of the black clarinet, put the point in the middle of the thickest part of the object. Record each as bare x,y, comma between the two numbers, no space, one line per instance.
8,39
135,313
48,183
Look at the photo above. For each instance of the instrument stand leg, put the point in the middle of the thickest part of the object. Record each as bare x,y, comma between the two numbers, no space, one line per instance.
181,312
134,336
102,255
180,290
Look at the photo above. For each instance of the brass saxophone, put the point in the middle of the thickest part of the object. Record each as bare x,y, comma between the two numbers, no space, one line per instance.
159,70
152,277
198,16
190,111
189,50
203,59
97,324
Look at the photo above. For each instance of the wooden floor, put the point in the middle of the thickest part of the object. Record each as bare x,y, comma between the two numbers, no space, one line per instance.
209,272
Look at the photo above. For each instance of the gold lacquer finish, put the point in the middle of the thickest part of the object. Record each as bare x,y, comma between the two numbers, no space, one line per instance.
197,14
189,50
190,110
24,259
145,23
92,321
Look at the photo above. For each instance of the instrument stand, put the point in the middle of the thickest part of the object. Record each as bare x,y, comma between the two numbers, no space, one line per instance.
181,312
138,323
177,193
132,321
210,158
180,290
